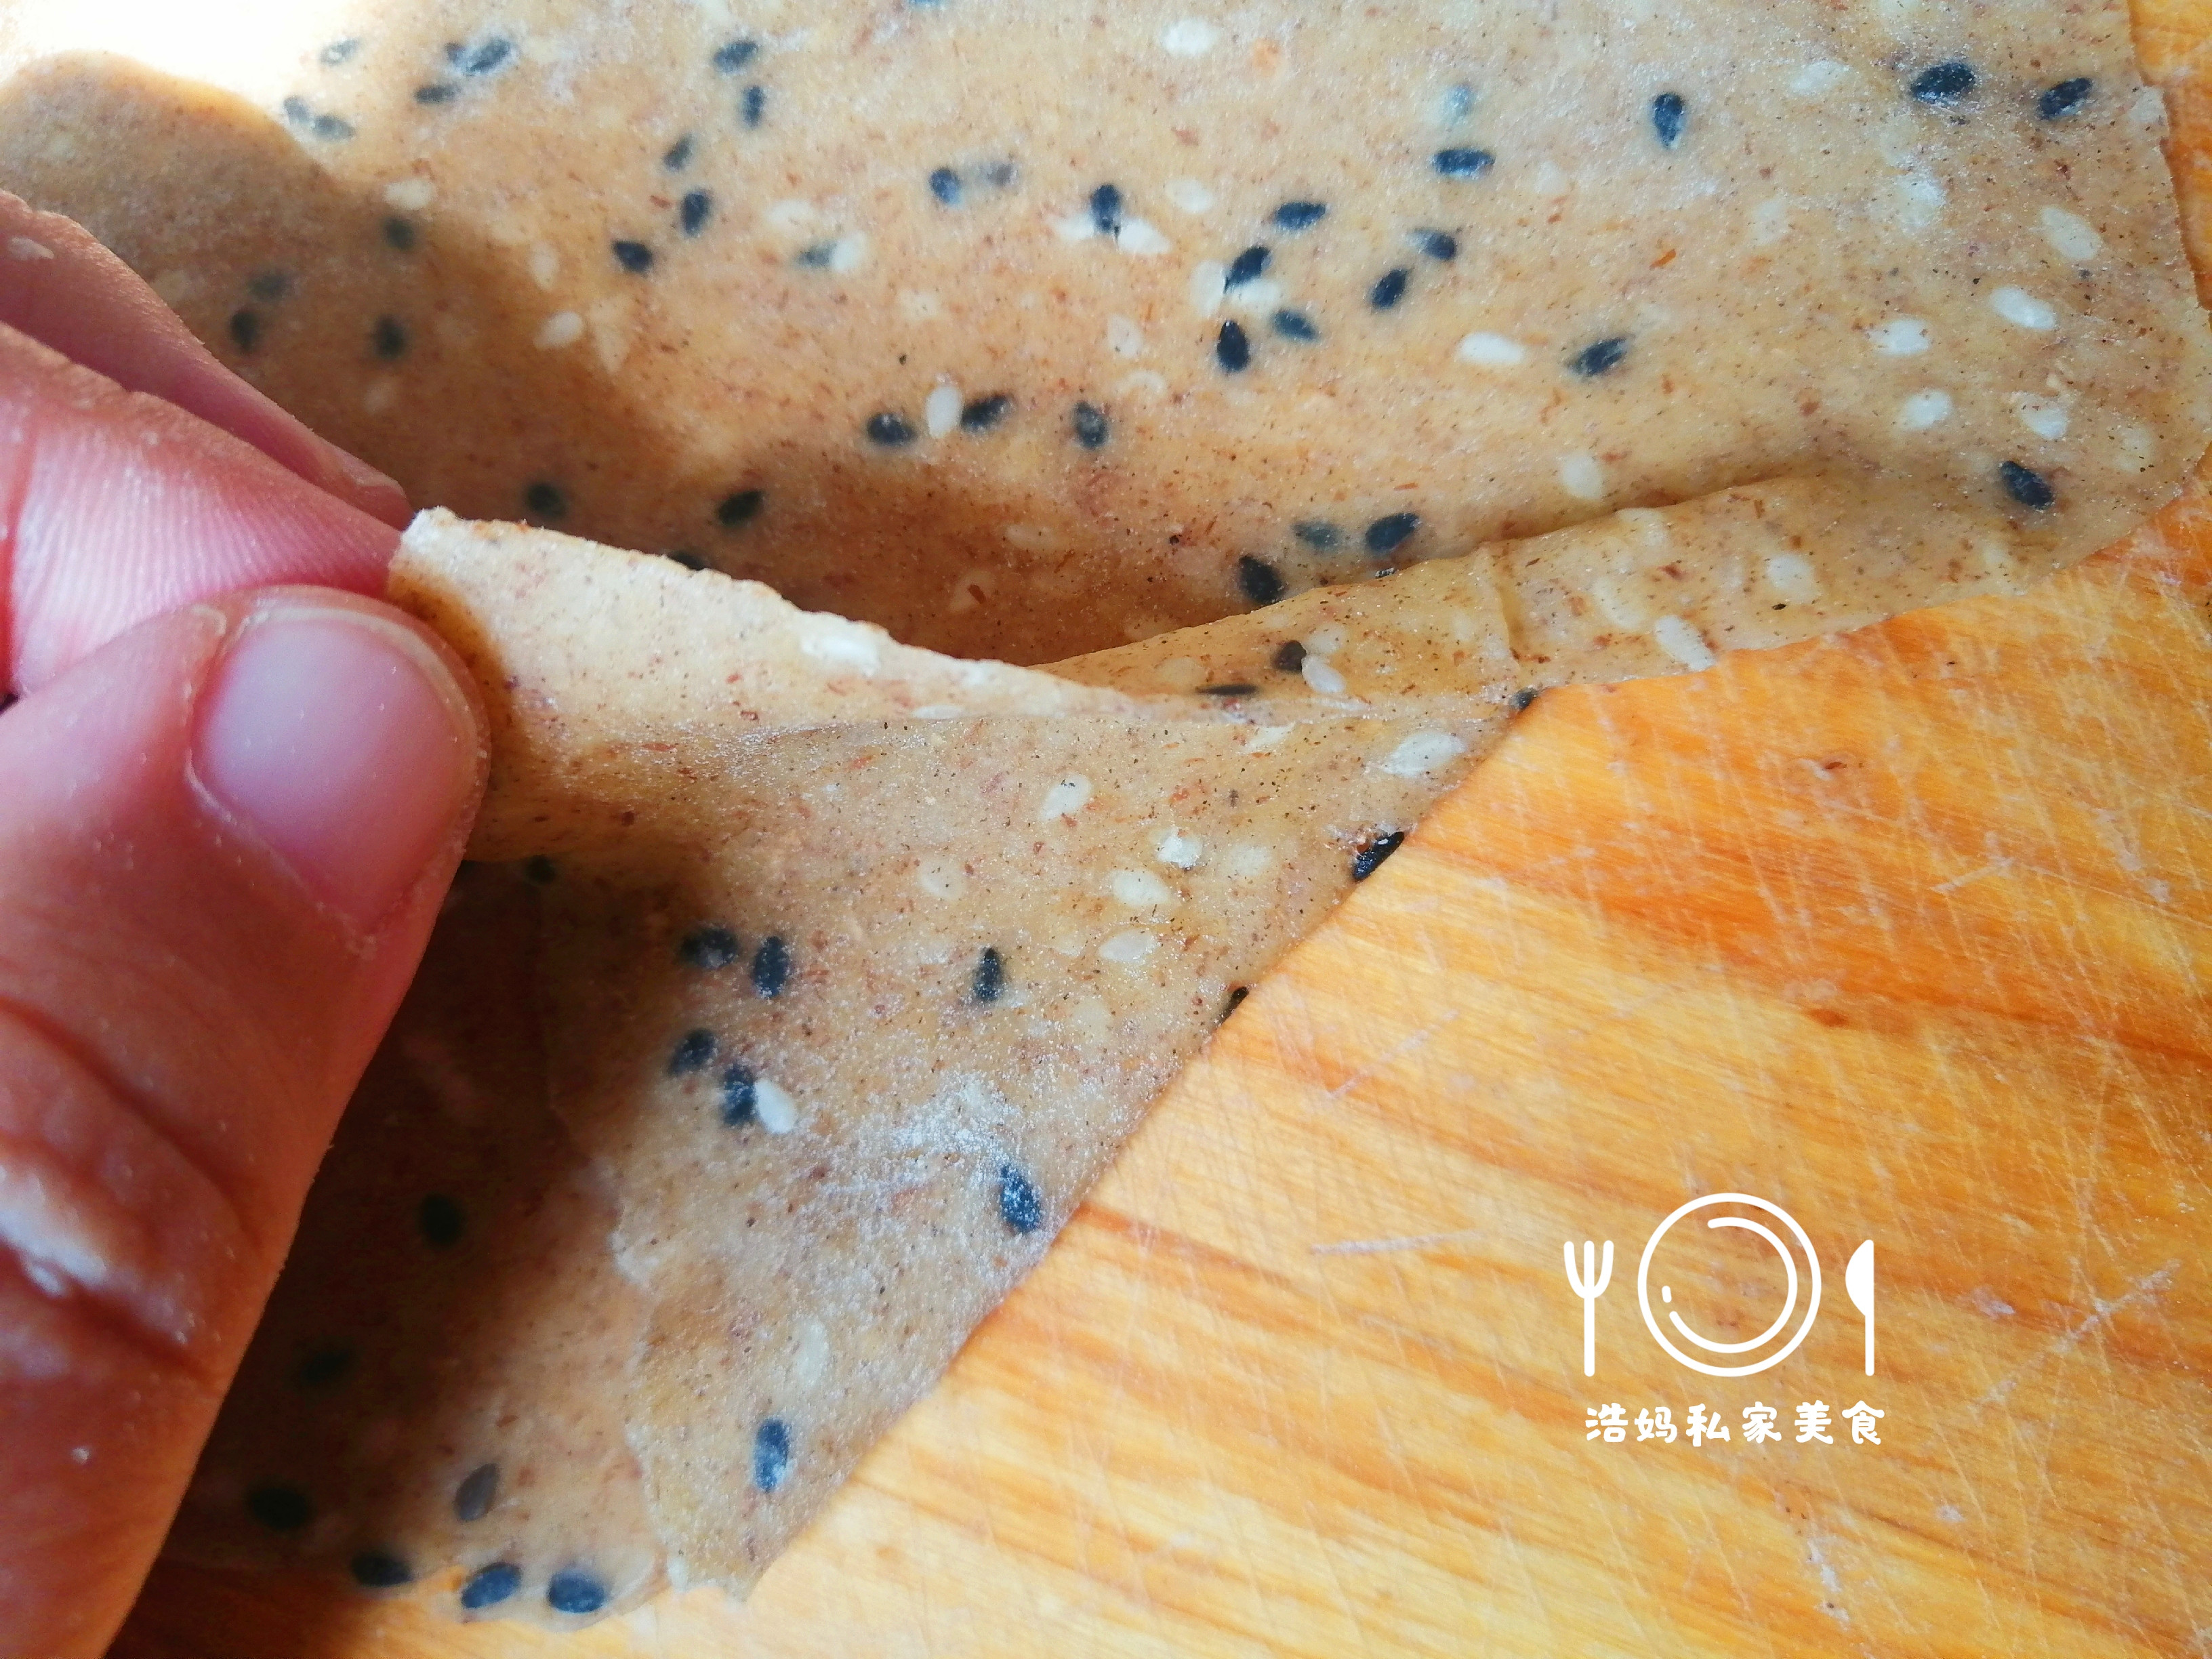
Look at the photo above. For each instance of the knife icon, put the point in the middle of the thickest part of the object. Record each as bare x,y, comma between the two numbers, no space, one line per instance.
1858,1285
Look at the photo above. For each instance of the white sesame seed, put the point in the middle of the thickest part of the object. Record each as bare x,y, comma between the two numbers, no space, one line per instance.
843,645
1770,222
1265,738
545,265
1207,281
1320,676
1192,37
939,711
1492,351
1249,860
848,254
941,877
2046,417
1065,799
940,410
1123,338
175,287
410,194
1181,848
1139,890
23,247
1622,608
1581,476
1129,947
1190,195
1076,227
380,393
1822,75
773,1107
1326,640
1900,337
1257,298
974,587
1920,198
2073,237
1923,409
1030,537
1792,576
561,328
1141,238
2018,306
2136,444
1683,643
1421,754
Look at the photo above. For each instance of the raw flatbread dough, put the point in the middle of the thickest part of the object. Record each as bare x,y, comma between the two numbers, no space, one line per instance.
1333,379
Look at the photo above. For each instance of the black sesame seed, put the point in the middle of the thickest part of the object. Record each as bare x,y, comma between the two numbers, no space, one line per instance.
737,1095
1668,115
296,111
437,92
388,339
400,233
945,186
2064,99
1524,699
753,106
544,500
730,58
1387,534
771,966
1289,656
2028,487
816,258
686,557
1091,426
1262,582
982,414
441,1220
635,257
1943,84
1439,244
1000,175
1317,533
693,213
692,1053
337,53
488,57
1389,288
1232,349
1602,358
1019,1206
375,1570
478,1491
1294,325
1231,689
280,1509
677,156
1463,163
332,127
889,429
989,979
269,286
571,1590
487,1587
771,1454
539,870
1298,215
742,507
1106,209
322,1367
245,329
1369,859
1246,266
1236,995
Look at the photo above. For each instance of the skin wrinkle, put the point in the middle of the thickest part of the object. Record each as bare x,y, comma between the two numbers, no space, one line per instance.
208,1326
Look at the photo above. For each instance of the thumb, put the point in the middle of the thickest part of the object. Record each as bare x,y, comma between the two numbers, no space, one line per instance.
224,836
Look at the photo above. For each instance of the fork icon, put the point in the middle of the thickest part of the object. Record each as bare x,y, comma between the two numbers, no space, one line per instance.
1589,1285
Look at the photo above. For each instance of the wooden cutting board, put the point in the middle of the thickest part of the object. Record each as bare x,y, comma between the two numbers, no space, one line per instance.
1908,932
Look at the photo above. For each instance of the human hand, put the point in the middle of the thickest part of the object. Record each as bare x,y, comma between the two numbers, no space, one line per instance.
226,820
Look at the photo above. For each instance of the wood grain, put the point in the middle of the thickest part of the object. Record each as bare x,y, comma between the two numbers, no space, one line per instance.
1909,930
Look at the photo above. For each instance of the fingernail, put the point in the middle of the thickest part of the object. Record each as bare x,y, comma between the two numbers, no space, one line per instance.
340,740
379,496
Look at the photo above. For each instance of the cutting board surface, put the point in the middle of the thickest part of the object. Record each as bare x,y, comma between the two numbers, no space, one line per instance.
1907,931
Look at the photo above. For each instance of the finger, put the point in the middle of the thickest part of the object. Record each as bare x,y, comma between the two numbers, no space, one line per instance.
223,840
61,287
115,506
